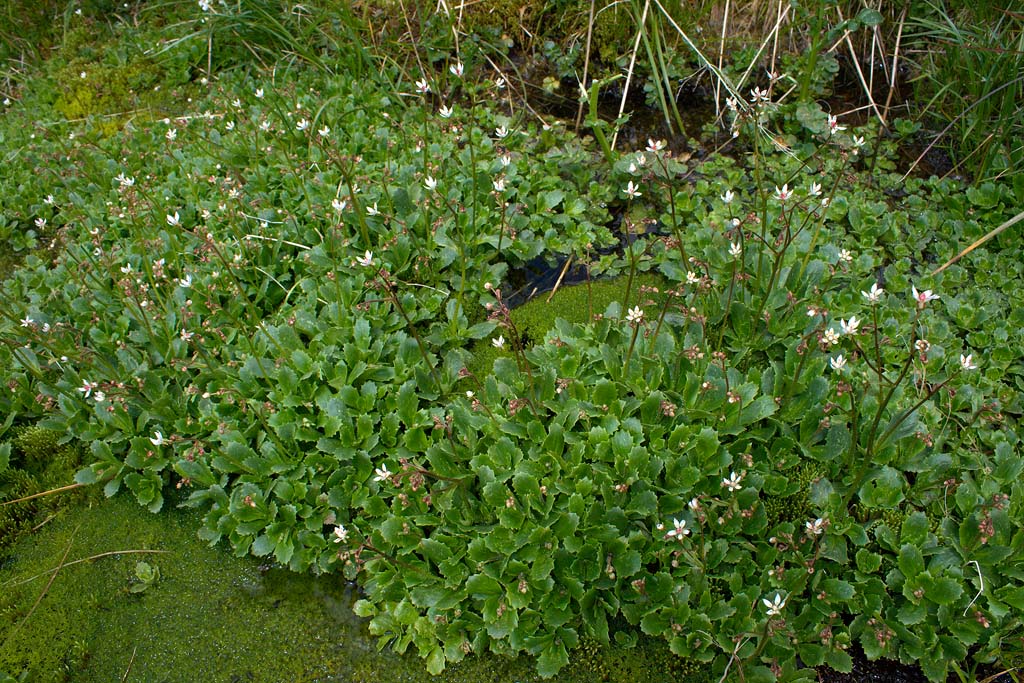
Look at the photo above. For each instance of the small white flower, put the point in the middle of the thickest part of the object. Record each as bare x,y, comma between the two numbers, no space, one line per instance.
259,93
236,103
206,5
324,131
849,327
874,294
965,362
506,160
734,482
632,190
833,125
783,193
922,345
679,531
49,200
858,141
340,534
812,311
456,69
40,223
470,394
735,250
499,184
816,527
82,75
635,315
641,159
87,388
430,183
186,335
185,282
381,474
773,608
366,260
655,145
830,338
758,95
837,363
691,278
694,504
846,256
339,205
126,269
171,134
445,112
922,298
728,196
157,439
99,397
501,132
815,190
264,125
302,125
499,82
498,342
173,219
27,322
372,210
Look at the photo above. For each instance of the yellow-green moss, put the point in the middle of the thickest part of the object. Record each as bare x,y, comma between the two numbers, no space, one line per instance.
576,304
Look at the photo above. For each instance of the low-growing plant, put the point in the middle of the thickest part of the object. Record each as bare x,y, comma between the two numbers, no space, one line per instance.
269,305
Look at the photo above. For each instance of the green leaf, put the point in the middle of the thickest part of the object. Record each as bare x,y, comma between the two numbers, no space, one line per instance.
839,660
552,659
435,661
757,410
5,459
627,564
915,528
870,17
836,589
911,561
868,562
944,591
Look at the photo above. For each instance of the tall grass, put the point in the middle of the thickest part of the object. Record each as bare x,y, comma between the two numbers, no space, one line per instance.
971,64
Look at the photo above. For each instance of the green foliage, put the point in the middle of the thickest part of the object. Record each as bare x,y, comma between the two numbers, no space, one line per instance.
270,307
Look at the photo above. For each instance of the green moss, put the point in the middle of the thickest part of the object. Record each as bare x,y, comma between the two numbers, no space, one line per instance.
796,507
576,304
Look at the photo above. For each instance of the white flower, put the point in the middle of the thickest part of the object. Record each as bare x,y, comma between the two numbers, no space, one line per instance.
445,112
501,132
40,223
206,5
632,190
171,134
858,141
372,210
99,397
49,200
679,531
635,315
830,338
366,260
381,473
339,205
506,160
470,394
817,527
324,131
27,322
340,534
849,327
728,196
922,298
236,103
173,219
430,183
259,93
694,504
965,362
774,607
87,388
303,124
186,335
734,482
837,363
874,294
185,282
498,342
126,269
124,181
833,125
641,159
691,278
157,439
499,185
758,95
655,145
735,250
815,190
456,69
499,82
845,256
784,193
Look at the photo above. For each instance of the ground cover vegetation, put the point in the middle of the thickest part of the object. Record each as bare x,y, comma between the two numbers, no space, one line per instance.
264,286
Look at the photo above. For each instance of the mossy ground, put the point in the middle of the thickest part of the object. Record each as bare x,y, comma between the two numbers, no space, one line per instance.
575,304
213,617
